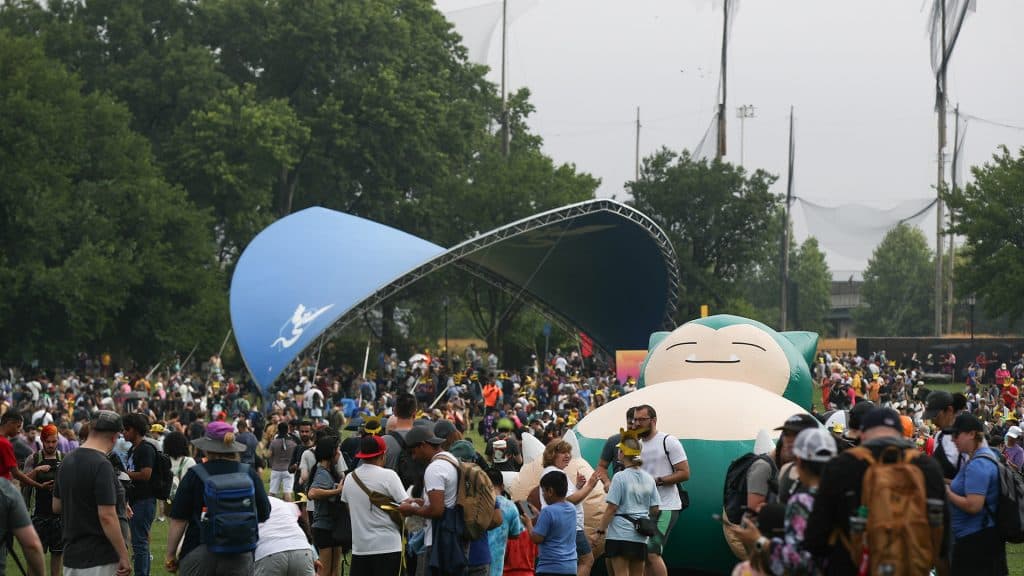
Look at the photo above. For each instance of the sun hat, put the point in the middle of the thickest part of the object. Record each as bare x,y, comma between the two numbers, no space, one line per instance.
219,439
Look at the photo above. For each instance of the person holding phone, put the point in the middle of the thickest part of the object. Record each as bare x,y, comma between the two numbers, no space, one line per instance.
633,495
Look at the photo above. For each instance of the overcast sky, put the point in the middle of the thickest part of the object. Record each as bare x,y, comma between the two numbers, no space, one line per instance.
857,73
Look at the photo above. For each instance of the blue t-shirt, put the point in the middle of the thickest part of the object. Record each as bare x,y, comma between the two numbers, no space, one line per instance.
557,553
978,476
633,491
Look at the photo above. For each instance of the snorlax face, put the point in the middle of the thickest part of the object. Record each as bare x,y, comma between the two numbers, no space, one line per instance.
739,352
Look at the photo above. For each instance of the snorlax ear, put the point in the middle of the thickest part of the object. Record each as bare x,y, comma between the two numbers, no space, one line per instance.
652,343
806,343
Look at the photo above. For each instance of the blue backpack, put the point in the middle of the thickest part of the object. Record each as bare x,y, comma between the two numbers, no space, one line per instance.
229,525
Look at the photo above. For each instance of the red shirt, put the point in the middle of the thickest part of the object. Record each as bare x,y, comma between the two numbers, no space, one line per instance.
7,460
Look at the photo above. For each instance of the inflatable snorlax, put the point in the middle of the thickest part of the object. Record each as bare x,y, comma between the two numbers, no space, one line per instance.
715,383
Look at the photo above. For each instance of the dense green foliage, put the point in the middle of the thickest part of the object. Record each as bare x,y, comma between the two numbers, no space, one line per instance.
897,298
147,142
989,214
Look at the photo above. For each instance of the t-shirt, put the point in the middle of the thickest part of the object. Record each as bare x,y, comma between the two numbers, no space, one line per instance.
7,460
394,448
249,440
85,481
139,458
497,538
977,476
373,532
557,553
281,531
307,463
1014,455
572,490
610,453
633,491
758,476
189,499
503,452
13,515
322,479
658,464
44,496
440,475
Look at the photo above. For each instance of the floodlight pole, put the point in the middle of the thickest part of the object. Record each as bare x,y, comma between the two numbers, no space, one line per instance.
744,112
506,132
941,110
637,153
721,105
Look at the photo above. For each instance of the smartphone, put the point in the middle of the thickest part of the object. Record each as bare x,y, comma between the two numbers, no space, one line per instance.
525,509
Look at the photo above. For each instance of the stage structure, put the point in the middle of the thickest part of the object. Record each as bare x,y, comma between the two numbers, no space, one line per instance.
598,267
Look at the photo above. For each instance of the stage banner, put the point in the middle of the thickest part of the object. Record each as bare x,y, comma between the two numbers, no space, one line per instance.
627,363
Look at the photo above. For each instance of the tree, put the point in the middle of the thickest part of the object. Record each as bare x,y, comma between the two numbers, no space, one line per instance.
812,285
97,251
896,298
718,217
989,214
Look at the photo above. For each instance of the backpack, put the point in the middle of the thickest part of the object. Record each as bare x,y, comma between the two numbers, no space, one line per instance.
897,536
230,524
162,478
409,471
734,494
1009,512
475,498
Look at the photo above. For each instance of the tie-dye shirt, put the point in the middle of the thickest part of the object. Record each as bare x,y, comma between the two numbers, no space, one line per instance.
789,556
497,538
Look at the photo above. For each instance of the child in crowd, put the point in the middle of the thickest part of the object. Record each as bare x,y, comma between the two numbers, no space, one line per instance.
555,532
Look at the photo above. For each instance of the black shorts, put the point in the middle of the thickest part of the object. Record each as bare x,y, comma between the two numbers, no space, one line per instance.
51,533
625,549
377,564
323,538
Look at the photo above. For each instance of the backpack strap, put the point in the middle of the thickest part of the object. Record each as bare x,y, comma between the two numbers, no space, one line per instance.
362,486
401,439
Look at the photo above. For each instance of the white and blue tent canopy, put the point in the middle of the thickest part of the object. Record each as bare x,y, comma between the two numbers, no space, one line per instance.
599,267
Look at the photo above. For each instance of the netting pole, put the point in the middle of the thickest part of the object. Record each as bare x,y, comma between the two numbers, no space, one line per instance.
784,303
721,105
941,110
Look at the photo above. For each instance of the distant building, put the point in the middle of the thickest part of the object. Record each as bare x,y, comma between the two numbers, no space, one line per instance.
845,297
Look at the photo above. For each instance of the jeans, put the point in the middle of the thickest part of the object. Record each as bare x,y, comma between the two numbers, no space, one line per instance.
142,520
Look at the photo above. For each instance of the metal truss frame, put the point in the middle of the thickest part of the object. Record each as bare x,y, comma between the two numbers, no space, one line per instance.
458,254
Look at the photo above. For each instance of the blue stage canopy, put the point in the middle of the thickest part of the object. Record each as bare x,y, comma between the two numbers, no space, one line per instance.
599,267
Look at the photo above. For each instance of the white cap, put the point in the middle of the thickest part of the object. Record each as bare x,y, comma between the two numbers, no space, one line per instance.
814,445
1014,432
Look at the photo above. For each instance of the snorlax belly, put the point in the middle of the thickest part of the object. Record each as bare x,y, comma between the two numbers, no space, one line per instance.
717,421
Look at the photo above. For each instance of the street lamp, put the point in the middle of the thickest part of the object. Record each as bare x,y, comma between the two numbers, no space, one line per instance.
744,112
971,302
447,352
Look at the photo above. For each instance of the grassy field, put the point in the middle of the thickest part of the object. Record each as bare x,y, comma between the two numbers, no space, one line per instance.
158,535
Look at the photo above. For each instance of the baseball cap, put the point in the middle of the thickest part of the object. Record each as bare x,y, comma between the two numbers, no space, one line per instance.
421,434
107,421
370,447
798,422
856,415
815,445
967,423
937,402
882,417
443,429
1014,432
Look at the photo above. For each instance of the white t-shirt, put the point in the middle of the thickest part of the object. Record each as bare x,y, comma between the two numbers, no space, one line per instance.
570,492
440,475
372,531
658,464
281,531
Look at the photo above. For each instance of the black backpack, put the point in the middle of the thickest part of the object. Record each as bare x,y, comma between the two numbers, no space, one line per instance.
408,469
1009,512
734,497
162,477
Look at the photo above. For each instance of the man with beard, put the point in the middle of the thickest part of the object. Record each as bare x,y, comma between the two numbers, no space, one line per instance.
305,443
665,460
48,525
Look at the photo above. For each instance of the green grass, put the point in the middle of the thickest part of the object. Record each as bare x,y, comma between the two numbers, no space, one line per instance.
158,535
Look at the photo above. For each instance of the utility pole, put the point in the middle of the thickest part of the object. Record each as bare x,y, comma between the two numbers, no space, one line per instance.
784,304
721,105
940,105
637,153
744,112
506,129
952,240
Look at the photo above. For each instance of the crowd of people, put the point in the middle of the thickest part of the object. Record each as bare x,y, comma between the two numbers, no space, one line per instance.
368,475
